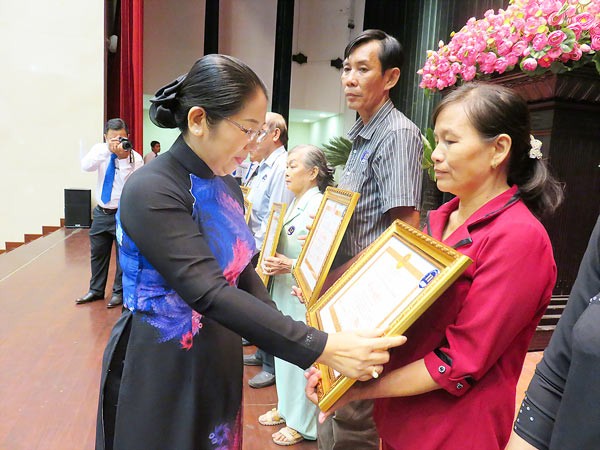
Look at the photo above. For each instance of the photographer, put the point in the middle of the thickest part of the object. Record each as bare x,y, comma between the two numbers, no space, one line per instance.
114,160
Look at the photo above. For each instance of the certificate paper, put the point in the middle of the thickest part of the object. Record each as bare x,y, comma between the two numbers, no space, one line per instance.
318,247
323,240
390,280
269,247
393,282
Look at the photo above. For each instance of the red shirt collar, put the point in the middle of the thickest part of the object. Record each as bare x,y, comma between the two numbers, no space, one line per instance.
437,219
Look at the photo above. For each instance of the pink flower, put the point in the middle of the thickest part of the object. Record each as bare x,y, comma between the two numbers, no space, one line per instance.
586,20
571,11
196,322
576,28
539,42
556,38
575,54
242,254
504,47
468,73
530,34
519,47
501,65
530,64
554,52
555,19
187,341
550,6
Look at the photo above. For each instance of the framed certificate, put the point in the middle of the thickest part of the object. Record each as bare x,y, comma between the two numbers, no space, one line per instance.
269,246
389,286
247,203
323,240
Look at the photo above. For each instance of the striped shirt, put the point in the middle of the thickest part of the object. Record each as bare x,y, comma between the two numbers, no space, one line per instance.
384,166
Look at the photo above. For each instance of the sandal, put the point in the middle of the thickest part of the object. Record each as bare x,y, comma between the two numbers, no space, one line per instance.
290,436
271,418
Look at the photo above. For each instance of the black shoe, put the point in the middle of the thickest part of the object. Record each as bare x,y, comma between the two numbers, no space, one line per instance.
115,300
89,297
252,360
261,380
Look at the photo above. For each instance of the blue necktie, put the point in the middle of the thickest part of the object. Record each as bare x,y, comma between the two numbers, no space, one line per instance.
251,172
109,177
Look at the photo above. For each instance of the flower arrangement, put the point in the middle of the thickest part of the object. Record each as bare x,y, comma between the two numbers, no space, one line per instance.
535,35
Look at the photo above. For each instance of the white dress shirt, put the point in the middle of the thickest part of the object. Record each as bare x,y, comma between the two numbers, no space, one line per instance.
268,187
97,159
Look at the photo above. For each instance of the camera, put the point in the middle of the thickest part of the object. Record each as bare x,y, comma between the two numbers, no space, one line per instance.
125,142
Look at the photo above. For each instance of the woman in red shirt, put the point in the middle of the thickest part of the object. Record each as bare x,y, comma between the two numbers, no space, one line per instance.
452,385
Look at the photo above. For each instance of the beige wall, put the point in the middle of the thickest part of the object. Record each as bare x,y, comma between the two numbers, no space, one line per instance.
51,107
52,90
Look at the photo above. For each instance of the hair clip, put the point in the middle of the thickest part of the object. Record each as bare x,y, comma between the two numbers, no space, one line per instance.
536,148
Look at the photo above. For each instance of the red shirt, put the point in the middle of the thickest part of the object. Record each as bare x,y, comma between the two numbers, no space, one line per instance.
475,336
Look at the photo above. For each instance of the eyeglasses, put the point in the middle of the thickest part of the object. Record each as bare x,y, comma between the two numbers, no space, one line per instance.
253,135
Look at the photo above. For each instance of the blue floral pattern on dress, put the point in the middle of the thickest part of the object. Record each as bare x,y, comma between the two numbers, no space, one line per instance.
220,218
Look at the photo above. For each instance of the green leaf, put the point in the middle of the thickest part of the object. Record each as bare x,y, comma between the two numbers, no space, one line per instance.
337,150
428,148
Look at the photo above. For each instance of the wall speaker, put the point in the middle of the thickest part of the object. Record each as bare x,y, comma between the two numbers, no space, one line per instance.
78,208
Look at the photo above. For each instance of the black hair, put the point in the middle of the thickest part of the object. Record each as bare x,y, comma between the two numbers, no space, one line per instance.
220,84
391,53
116,125
314,157
494,110
153,143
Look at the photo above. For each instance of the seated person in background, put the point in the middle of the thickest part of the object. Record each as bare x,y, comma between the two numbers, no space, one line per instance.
307,176
452,386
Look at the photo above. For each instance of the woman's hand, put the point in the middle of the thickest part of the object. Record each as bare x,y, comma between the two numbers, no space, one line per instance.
359,354
313,376
297,292
115,146
277,265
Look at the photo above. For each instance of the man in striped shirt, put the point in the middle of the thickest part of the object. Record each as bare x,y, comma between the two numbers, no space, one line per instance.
384,166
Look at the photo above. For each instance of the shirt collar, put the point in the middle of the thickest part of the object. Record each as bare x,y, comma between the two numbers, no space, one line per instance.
270,160
437,219
366,131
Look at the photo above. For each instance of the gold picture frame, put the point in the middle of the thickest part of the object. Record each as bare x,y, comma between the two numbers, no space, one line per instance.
269,245
389,286
247,203
323,240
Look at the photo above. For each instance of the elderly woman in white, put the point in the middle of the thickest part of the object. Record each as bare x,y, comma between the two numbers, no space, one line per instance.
307,176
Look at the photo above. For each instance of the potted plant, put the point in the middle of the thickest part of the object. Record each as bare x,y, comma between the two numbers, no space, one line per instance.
533,36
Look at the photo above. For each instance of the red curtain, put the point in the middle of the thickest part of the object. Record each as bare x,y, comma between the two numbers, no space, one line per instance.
131,106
